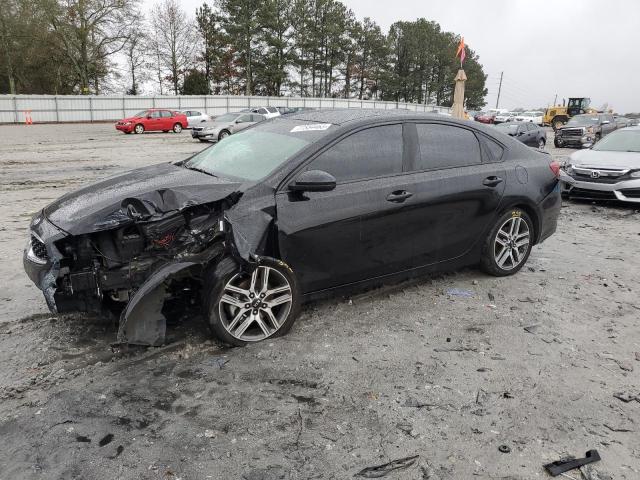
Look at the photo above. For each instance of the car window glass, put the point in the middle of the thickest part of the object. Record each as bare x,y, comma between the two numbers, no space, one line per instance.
493,149
445,146
272,109
188,113
155,114
256,118
530,127
374,152
262,110
195,114
166,114
244,118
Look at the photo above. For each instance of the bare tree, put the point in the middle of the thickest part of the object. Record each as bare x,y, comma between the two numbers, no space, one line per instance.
90,31
173,42
136,51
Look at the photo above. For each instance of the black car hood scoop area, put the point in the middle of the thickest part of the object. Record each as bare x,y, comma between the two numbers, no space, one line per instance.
140,193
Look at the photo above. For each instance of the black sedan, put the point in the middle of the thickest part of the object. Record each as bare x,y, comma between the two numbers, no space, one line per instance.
289,210
526,132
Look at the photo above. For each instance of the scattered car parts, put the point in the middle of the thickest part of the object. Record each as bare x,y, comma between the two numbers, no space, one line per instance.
561,466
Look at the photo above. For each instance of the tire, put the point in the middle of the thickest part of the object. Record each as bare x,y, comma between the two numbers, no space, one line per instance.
556,143
227,309
541,144
177,128
223,134
501,255
139,128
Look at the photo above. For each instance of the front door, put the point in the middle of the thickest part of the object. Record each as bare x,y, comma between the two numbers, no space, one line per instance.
326,236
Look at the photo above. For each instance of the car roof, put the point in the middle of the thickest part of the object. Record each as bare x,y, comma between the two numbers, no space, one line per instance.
343,116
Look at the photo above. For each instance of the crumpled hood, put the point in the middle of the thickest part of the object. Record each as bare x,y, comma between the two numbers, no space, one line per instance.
595,158
161,188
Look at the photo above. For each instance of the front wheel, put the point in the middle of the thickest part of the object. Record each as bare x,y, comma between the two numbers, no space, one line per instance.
243,307
139,128
541,144
223,134
508,244
177,128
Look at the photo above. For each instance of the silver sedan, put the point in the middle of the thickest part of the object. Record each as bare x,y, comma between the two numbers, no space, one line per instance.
610,170
225,125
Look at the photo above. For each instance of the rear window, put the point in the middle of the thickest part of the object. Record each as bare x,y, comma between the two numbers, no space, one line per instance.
374,152
446,146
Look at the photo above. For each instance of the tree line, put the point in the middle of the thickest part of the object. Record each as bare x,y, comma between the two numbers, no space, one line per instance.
253,47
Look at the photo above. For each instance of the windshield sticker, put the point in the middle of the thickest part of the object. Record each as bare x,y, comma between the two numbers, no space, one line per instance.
310,128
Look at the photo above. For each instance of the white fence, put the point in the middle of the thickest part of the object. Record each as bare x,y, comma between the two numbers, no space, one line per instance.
87,108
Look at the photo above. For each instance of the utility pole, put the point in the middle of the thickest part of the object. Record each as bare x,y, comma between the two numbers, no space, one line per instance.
499,89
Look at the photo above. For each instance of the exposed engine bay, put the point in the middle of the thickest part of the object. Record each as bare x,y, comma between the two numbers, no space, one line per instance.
89,252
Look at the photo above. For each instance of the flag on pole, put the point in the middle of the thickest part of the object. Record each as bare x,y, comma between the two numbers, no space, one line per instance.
461,51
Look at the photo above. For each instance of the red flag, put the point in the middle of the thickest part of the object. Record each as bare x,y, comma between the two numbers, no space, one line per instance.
461,51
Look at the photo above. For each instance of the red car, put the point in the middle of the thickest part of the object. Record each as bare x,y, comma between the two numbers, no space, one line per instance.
154,119
485,117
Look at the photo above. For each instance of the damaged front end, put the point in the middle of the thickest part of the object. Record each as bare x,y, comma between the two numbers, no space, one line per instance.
130,269
90,252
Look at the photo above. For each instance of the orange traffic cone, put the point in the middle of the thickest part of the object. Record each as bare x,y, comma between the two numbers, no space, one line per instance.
27,117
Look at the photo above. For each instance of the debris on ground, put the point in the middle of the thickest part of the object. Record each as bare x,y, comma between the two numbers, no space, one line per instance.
384,469
459,292
561,466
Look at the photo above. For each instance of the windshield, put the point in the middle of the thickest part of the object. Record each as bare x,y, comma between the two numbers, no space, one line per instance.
141,114
583,120
227,117
257,151
620,141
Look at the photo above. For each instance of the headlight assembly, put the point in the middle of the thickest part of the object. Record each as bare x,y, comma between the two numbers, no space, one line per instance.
635,174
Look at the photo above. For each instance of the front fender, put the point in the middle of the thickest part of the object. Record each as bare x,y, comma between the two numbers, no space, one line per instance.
142,322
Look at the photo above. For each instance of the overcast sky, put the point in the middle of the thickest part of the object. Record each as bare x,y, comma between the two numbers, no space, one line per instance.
572,48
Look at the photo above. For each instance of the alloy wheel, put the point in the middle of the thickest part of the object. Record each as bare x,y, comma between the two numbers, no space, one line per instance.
254,306
139,128
177,128
511,243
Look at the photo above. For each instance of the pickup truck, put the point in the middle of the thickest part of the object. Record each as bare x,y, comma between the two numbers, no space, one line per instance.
584,130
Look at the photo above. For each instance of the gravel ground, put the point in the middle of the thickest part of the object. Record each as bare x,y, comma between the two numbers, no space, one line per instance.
532,361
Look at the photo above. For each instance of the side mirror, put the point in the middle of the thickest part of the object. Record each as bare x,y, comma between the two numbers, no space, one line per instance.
520,132
313,181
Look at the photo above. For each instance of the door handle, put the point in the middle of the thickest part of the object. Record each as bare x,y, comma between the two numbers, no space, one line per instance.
492,181
398,196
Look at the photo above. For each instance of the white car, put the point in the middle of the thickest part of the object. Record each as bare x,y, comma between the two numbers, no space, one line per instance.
267,112
194,117
533,117
504,117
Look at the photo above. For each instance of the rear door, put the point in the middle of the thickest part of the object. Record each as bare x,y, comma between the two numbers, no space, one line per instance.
457,185
350,233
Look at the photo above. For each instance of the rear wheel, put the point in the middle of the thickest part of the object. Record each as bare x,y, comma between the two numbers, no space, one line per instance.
139,128
177,128
508,244
244,307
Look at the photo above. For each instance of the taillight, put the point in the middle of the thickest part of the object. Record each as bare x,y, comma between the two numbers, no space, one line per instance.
555,168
